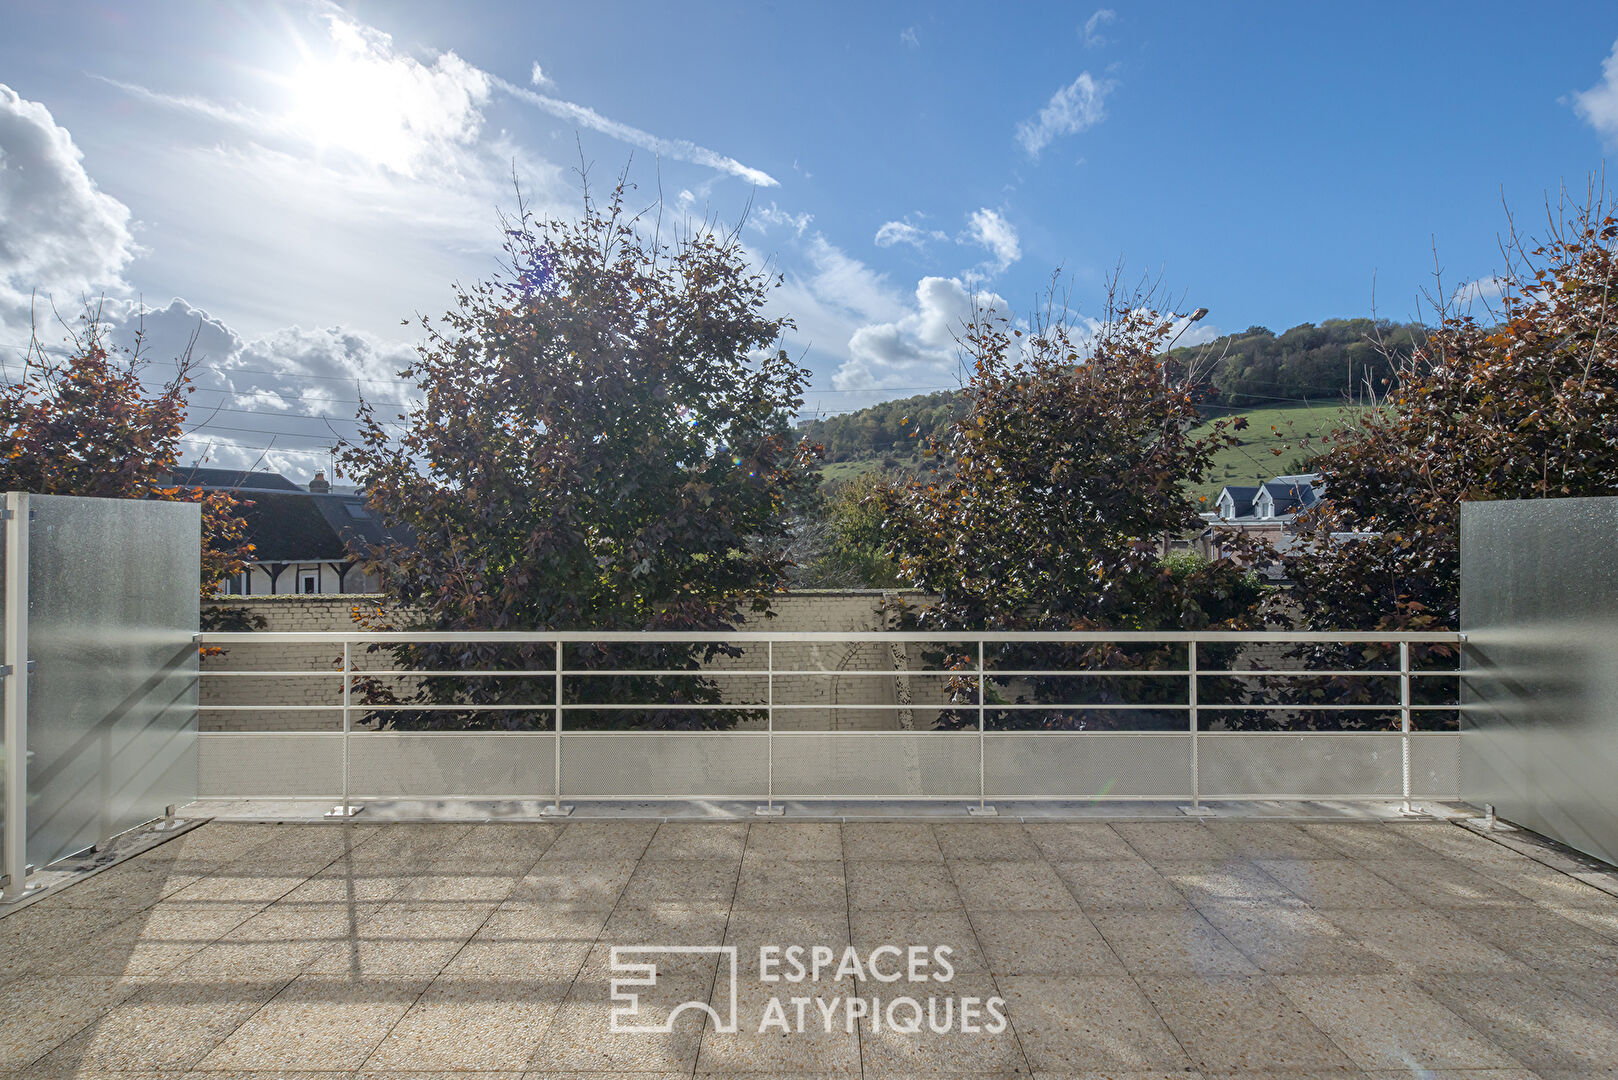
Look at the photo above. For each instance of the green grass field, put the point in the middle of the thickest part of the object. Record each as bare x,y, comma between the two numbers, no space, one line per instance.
1294,430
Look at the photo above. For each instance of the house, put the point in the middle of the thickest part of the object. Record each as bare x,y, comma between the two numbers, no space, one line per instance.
1266,511
305,540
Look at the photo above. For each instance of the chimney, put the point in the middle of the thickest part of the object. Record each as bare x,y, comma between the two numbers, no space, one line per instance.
319,485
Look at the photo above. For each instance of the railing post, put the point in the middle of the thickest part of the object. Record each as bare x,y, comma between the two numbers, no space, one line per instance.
769,809
16,698
1191,711
982,809
1404,720
347,809
556,809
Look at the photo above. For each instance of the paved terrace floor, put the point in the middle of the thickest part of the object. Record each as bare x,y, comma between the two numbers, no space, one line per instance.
1192,948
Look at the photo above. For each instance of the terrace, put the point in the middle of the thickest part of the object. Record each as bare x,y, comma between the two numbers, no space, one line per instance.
1208,855
1223,946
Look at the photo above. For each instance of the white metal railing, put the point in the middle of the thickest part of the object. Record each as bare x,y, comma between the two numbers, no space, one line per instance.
979,673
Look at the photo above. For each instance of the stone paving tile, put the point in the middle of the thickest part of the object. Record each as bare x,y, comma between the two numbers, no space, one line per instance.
127,887
470,1024
530,941
901,886
803,840
1364,840
1443,883
1269,840
596,840
754,1046
682,881
1422,941
344,882
244,886
589,883
1541,939
1003,886
890,842
1161,841
1112,886
928,929
1335,883
1170,943
403,939
993,841
1080,1025
581,1036
1044,943
1550,887
1533,1020
1293,940
1386,1023
1210,881
777,884
435,886
698,840
514,846
328,1022
1454,842
1069,841
149,942
751,930
886,1052
1240,1022
38,1013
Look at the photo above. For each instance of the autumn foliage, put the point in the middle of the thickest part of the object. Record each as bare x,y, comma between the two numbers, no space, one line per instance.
602,442
1518,400
82,420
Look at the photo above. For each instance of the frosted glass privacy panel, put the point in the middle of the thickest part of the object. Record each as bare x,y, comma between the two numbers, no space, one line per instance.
112,703
1539,686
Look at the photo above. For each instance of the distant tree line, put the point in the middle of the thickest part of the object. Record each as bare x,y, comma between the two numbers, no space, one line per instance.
1335,360
896,429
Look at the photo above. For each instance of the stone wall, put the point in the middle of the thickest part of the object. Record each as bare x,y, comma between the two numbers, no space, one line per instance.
307,676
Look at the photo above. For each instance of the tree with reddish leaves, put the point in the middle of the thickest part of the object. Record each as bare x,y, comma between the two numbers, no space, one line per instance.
602,441
1521,403
1518,401
81,420
1067,470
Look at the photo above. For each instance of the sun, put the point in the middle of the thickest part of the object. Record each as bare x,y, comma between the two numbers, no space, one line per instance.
348,103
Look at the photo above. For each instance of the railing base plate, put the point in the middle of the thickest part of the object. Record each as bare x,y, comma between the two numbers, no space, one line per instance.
982,811
7,897
344,811
556,810
769,811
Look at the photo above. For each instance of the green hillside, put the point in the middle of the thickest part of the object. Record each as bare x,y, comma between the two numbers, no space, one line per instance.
1293,430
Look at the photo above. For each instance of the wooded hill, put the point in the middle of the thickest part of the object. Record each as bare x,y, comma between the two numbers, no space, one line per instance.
1319,365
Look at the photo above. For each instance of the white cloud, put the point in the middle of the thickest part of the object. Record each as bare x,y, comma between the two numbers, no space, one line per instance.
678,149
538,76
59,233
917,349
1485,290
1076,107
1599,104
904,232
907,38
773,215
1092,27
991,231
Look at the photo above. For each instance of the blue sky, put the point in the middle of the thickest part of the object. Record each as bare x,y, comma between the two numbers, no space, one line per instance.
298,178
